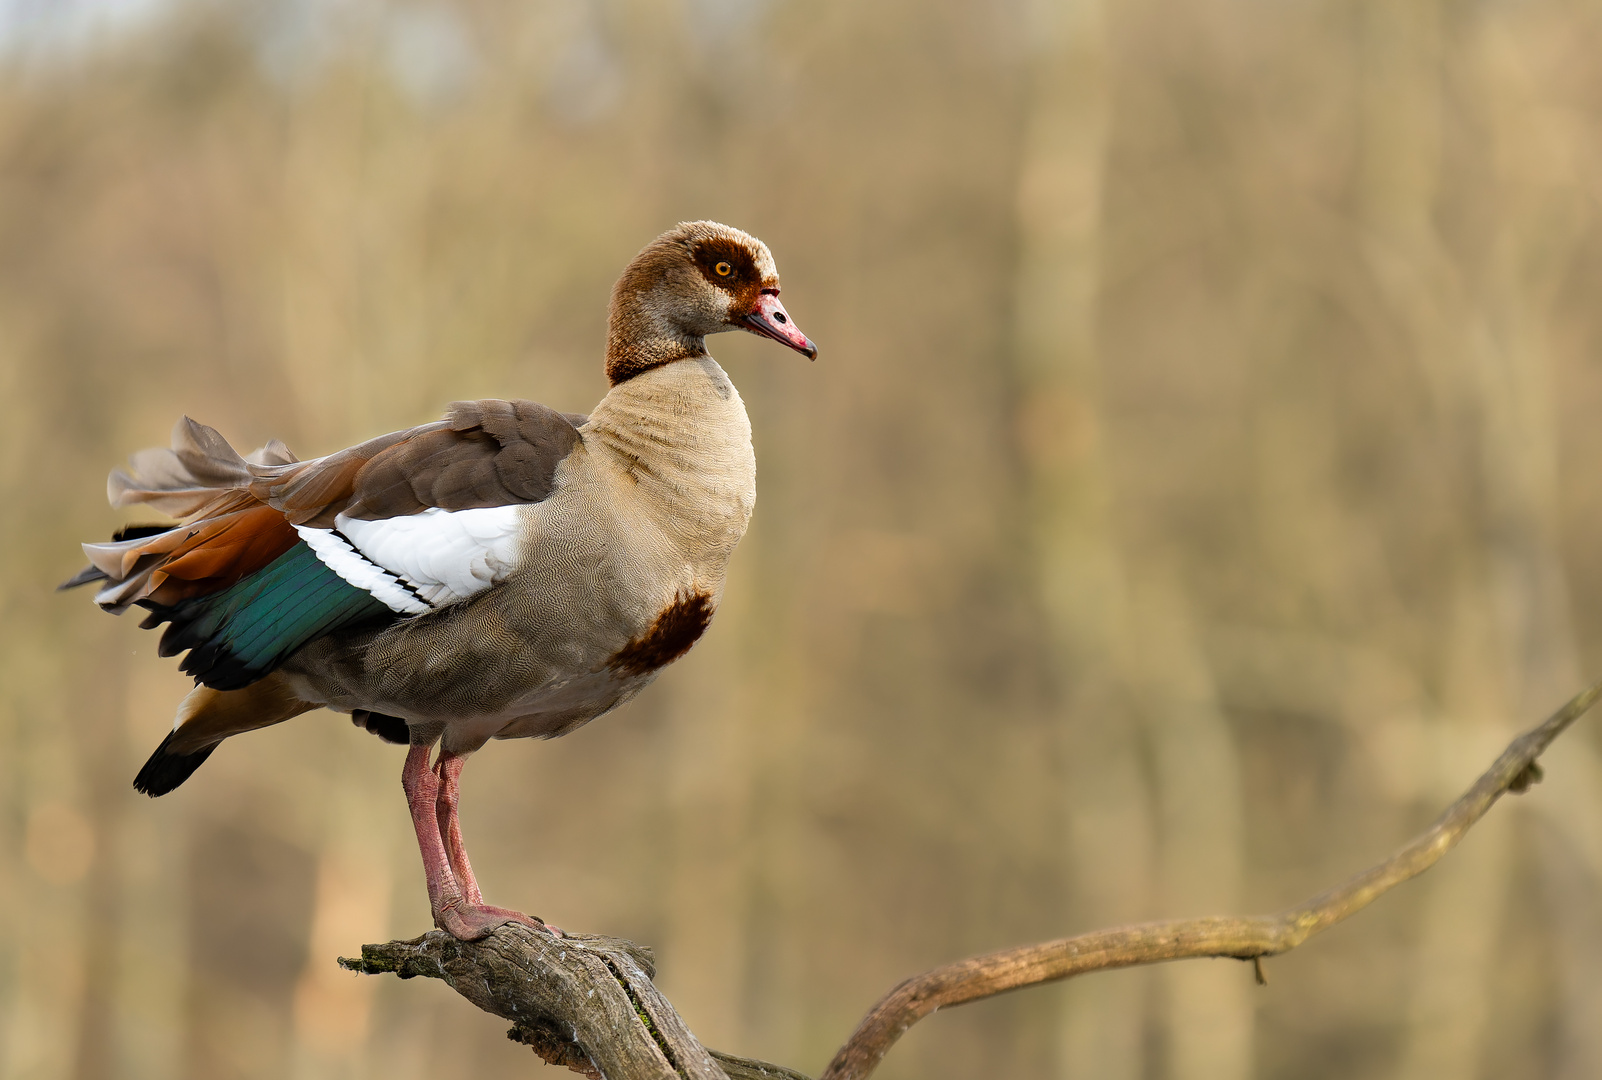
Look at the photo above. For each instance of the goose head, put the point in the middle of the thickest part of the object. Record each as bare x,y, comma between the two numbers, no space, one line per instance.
696,279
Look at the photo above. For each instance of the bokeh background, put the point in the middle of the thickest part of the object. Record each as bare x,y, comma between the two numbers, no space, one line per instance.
1198,484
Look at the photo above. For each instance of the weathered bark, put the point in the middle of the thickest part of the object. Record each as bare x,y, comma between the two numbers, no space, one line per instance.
588,1002
581,1001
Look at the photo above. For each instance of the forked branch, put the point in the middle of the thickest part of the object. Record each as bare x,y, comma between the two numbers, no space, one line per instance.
588,1003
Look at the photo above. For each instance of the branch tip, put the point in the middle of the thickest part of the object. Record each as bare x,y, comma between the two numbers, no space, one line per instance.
1153,943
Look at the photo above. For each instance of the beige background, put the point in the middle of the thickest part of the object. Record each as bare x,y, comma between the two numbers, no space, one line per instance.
1197,484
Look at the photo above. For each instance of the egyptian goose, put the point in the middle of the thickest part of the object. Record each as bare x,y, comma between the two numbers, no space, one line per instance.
506,572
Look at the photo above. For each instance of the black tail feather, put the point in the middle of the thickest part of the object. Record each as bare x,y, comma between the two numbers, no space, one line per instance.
139,532
84,577
166,769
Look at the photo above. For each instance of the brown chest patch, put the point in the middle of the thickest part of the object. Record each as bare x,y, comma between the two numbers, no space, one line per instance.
670,636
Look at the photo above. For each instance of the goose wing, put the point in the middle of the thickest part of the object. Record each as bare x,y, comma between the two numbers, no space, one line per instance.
271,553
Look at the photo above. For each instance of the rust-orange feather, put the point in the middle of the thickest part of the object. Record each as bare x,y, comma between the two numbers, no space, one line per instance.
218,551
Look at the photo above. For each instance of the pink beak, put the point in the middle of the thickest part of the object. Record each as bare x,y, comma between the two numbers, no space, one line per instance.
771,320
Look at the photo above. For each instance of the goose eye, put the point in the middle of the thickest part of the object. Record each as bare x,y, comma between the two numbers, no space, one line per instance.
723,269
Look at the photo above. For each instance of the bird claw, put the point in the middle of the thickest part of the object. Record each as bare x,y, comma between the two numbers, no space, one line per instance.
472,922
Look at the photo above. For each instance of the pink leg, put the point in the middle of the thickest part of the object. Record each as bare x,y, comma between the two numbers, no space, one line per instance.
433,796
422,791
449,770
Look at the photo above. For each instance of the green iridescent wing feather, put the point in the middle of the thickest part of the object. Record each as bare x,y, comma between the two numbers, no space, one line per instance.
238,635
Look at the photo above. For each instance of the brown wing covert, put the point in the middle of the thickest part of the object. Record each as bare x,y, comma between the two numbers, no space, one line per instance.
484,453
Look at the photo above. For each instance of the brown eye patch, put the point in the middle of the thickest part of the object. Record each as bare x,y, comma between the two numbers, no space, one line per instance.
727,265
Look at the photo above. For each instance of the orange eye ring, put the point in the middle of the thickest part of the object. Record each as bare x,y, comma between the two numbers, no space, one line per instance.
723,269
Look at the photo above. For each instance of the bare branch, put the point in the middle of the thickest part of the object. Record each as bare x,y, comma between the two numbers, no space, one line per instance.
1249,938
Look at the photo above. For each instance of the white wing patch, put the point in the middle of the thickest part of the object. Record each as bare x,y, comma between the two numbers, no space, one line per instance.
341,556
422,561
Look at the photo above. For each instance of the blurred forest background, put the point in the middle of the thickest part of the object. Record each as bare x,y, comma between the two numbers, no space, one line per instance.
1197,486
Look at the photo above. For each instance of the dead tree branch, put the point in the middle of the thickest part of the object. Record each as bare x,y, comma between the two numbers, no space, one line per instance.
588,1002
581,1001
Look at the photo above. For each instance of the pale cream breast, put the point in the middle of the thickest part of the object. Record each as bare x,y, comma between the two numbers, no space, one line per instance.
675,445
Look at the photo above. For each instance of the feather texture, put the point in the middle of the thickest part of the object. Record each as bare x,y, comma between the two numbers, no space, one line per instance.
483,454
443,556
272,552
335,550
241,634
167,768
185,480
209,716
240,513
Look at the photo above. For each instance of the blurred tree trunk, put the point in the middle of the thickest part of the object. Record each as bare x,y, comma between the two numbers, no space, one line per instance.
1475,332
732,718
1201,853
1078,562
147,1022
1133,677
1543,199
1401,125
